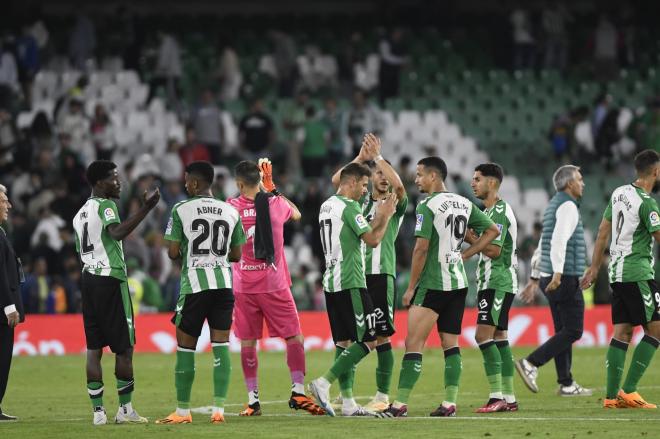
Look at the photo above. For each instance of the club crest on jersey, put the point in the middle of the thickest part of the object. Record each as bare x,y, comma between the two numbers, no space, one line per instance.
360,221
419,222
654,218
109,214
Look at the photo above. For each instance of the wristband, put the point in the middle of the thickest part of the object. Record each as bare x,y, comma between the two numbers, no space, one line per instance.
378,158
275,192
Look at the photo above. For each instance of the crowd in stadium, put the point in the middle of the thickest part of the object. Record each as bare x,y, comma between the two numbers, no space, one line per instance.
43,163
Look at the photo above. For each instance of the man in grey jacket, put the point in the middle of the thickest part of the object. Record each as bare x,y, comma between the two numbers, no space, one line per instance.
557,265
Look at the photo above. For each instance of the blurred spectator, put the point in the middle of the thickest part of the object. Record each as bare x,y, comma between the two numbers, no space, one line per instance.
171,288
296,115
284,54
173,193
8,75
524,43
77,91
49,225
82,42
646,127
43,251
407,174
256,131
41,132
554,19
170,163
606,50
192,150
38,293
229,75
601,108
559,136
145,291
302,288
103,134
333,119
28,61
161,264
392,57
74,122
314,140
362,118
168,69
208,128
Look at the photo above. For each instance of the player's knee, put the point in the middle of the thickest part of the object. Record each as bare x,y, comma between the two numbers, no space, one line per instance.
371,345
623,334
481,336
248,343
652,330
574,334
382,340
295,339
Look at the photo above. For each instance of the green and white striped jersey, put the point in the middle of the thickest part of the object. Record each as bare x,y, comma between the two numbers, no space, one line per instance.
443,218
206,228
382,259
635,217
341,224
500,273
99,253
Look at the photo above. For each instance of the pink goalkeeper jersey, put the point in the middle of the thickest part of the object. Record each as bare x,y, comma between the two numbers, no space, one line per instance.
252,275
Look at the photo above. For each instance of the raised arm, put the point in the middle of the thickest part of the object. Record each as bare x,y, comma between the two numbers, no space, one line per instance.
361,158
384,212
373,145
119,231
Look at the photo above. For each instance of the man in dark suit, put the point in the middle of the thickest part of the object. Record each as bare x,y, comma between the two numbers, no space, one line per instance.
10,300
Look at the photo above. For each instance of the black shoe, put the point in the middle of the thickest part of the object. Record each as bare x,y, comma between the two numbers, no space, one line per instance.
6,417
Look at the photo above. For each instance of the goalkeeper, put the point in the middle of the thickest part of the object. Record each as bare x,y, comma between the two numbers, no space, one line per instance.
262,284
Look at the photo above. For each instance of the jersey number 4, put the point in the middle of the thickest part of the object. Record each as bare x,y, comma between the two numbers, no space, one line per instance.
326,235
219,233
87,247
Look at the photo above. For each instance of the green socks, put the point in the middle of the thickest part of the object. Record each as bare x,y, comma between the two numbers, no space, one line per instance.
411,369
95,391
384,368
184,375
125,390
493,367
640,361
345,362
507,369
221,373
614,364
453,366
346,379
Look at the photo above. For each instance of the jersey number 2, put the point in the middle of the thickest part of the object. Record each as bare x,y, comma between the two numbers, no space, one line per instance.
219,239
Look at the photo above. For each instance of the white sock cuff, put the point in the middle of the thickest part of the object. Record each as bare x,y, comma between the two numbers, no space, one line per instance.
180,349
224,343
491,340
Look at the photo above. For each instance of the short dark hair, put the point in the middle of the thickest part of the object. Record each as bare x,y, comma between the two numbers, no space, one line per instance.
354,170
248,172
99,170
491,170
436,164
202,170
645,160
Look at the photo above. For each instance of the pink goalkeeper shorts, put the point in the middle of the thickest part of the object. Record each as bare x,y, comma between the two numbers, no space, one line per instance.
278,308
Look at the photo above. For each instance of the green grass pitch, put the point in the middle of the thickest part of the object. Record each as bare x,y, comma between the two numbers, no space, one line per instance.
49,396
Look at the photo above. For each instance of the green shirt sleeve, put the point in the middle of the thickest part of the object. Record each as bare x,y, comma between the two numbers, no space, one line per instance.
650,215
75,234
502,223
108,213
354,219
478,220
401,207
608,211
424,221
238,235
174,230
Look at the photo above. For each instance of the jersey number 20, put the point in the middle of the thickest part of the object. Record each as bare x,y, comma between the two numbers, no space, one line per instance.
219,233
